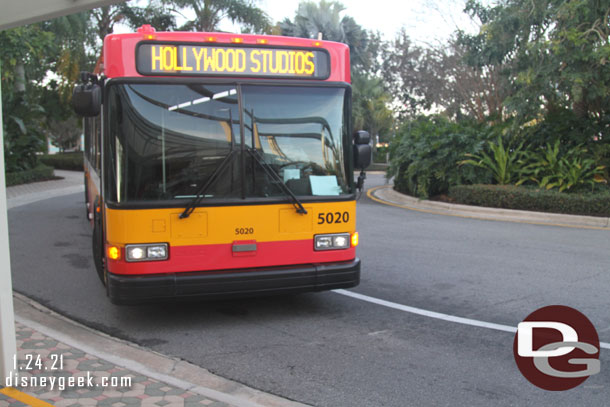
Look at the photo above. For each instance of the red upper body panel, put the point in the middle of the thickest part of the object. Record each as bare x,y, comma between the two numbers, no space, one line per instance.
120,49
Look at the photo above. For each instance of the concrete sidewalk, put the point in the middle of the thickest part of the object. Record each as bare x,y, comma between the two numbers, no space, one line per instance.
65,364
72,182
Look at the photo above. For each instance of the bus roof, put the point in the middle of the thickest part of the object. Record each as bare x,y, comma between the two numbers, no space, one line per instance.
175,54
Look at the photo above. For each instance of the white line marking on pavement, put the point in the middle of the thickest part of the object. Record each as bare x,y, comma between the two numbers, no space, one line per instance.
437,315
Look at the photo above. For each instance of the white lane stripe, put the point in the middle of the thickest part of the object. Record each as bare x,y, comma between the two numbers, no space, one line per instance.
437,315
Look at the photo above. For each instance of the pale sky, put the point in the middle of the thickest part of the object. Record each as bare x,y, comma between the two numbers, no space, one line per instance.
426,21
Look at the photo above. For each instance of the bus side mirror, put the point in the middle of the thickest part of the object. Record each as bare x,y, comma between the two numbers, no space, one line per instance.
362,137
362,150
87,100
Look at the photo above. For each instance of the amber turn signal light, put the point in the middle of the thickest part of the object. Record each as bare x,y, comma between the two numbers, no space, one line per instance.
355,239
114,253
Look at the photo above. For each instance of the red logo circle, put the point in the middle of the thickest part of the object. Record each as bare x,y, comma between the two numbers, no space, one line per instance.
556,348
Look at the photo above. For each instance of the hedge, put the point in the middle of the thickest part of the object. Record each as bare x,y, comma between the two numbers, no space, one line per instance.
40,173
426,151
532,199
64,161
376,167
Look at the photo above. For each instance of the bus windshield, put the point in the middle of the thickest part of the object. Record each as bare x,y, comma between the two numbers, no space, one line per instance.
175,141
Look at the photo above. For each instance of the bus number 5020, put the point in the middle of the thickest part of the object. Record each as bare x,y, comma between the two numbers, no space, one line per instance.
333,217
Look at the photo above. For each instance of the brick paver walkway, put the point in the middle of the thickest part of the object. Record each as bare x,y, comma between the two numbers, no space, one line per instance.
39,356
43,358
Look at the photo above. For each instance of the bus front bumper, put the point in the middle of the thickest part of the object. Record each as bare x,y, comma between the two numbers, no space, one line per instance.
131,289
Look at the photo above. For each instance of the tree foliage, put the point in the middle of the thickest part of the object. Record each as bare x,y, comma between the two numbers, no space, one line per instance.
64,133
22,52
426,152
72,51
370,99
536,73
157,13
154,13
433,78
209,14
105,18
41,63
326,18
23,123
556,53
370,110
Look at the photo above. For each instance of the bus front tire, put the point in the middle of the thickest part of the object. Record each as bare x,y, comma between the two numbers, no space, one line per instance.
98,253
87,198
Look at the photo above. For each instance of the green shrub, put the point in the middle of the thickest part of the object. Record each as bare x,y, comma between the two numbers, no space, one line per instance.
64,161
570,170
505,163
601,155
532,199
426,151
558,123
23,131
377,167
380,155
39,173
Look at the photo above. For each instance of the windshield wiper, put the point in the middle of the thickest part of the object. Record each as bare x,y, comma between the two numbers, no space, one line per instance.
200,194
275,176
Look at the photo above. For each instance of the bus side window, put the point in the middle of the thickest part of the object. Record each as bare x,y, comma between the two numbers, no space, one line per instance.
88,139
97,133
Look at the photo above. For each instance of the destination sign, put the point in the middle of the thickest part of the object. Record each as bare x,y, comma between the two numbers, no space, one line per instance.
216,60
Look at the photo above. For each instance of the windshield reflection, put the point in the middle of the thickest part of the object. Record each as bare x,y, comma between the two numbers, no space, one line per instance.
166,141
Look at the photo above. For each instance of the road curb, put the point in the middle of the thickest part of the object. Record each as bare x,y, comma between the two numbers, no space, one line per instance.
173,371
387,195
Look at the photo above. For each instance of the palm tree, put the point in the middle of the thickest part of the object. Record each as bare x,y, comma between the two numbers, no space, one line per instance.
325,18
154,13
73,36
209,14
105,18
370,107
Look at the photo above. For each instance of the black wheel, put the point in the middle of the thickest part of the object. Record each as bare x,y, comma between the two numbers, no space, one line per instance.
86,198
97,245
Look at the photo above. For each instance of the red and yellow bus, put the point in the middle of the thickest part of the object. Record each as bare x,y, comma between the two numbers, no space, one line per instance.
220,165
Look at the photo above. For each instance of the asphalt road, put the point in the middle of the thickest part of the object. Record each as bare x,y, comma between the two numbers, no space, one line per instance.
326,349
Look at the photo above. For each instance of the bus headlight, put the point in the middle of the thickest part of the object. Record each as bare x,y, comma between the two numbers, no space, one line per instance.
146,252
136,253
156,252
341,241
332,242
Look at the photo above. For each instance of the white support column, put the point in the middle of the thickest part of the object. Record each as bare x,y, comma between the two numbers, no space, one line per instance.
8,344
14,14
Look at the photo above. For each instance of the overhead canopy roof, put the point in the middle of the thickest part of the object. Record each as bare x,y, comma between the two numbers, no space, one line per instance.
14,13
